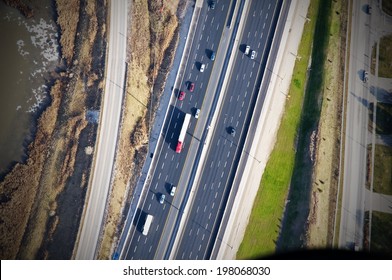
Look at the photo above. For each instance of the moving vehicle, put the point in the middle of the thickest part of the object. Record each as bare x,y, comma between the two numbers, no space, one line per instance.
212,57
202,67
147,224
173,190
197,113
212,5
232,131
365,76
181,96
247,49
162,199
191,87
252,56
369,9
181,138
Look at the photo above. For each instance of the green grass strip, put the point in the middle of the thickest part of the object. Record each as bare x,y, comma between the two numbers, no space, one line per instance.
264,223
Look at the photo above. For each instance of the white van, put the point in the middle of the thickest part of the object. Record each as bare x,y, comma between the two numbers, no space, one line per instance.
173,190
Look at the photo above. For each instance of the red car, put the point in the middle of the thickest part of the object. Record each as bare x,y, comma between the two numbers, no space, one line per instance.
181,96
191,87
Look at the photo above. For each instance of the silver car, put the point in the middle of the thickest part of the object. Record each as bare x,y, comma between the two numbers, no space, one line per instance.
197,113
162,199
247,49
252,56
173,190
202,67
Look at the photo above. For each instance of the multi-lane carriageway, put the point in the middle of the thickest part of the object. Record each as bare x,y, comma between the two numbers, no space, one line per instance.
211,34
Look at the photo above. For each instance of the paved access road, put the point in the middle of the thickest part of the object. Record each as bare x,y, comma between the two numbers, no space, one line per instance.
169,166
366,31
219,167
106,144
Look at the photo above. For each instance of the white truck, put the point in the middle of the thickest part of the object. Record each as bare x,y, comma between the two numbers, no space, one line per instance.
147,224
183,133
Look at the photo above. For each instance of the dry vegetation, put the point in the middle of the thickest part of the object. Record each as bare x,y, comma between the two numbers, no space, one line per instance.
326,170
29,193
68,18
151,34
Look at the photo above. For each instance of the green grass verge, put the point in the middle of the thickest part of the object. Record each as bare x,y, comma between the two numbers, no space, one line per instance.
387,6
384,118
264,223
373,61
381,234
385,57
383,170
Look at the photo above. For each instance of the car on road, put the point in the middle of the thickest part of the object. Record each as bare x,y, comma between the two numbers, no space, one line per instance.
369,9
162,199
212,56
173,190
202,67
247,49
191,86
252,56
365,76
181,96
212,5
232,131
197,113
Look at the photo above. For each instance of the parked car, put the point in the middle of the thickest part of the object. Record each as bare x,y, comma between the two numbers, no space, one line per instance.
247,49
181,96
191,86
197,113
252,56
202,67
162,199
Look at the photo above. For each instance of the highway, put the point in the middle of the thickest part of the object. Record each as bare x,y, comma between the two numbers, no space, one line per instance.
109,122
214,185
169,165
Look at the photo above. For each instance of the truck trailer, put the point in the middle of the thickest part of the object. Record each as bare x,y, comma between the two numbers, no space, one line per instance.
147,224
181,138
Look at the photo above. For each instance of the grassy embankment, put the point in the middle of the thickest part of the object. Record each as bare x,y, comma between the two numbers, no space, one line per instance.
264,223
387,6
29,214
327,147
381,241
152,37
385,57
383,170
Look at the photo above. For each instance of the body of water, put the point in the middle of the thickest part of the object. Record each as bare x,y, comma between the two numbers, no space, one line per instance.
29,53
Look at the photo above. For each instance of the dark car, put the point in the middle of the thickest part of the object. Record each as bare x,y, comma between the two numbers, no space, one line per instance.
191,87
212,5
232,131
181,96
212,57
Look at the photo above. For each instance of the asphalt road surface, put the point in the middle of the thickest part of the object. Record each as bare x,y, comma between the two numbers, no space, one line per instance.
169,166
105,148
356,134
215,183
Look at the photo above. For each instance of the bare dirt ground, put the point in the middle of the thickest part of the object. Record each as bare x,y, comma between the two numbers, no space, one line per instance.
32,194
152,38
326,138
